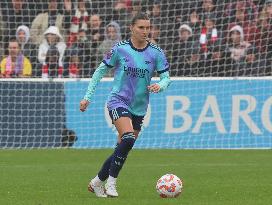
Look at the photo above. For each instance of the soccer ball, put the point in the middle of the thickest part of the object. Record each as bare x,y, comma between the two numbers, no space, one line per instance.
169,186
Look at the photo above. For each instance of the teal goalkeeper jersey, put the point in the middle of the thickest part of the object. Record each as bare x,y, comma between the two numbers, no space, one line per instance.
134,69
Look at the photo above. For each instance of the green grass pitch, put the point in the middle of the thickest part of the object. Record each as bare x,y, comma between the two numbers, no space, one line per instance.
211,177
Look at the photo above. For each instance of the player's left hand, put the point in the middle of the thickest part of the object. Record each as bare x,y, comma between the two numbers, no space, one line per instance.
154,88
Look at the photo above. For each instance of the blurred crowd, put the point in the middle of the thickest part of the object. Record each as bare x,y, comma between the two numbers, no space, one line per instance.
65,38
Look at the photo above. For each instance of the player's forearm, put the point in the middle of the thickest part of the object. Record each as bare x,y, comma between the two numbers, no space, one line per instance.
164,81
97,76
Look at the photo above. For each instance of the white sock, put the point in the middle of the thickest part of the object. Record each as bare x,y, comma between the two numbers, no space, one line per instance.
112,180
96,180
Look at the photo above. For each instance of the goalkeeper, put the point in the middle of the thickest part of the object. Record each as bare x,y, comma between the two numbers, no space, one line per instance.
134,61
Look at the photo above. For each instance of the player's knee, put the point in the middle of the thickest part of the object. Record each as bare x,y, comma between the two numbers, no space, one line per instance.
128,138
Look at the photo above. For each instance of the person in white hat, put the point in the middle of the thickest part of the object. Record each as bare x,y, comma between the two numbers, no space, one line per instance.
236,49
54,41
181,50
28,49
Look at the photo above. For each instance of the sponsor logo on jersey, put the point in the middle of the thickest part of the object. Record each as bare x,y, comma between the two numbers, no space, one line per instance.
135,72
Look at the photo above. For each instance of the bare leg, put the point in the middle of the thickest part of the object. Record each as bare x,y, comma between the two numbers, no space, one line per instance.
123,125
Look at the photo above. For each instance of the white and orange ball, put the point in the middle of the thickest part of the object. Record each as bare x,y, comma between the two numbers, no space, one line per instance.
169,186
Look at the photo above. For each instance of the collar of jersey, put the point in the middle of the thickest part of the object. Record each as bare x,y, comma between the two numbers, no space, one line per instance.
138,49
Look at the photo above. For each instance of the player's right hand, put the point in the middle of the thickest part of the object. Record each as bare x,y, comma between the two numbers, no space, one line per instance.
83,105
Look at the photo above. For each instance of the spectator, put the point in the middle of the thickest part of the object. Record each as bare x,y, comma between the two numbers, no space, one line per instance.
96,30
253,65
75,64
28,49
247,8
112,36
207,7
195,23
158,17
79,21
211,46
217,65
210,36
194,66
136,7
156,13
175,12
14,14
265,26
103,8
51,53
122,4
182,51
96,33
121,14
124,18
15,64
52,17
83,46
68,11
36,6
2,26
22,36
236,50
244,13
155,35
